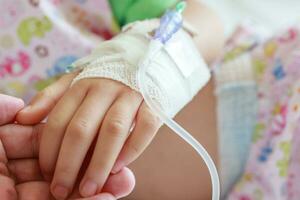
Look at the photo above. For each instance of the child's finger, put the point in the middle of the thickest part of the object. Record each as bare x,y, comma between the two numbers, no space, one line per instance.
113,133
44,101
147,125
80,134
56,125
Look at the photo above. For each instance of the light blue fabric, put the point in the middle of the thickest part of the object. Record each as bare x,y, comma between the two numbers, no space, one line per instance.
237,109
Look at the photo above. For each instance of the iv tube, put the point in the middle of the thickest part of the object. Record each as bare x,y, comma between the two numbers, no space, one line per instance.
155,47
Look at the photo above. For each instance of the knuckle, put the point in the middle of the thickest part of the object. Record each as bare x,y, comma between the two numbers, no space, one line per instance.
80,124
78,129
150,122
126,89
82,82
130,92
116,126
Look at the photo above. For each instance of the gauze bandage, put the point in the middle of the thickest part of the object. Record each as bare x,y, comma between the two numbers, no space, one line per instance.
173,79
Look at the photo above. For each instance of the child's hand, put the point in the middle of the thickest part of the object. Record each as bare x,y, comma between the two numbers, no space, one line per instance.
98,110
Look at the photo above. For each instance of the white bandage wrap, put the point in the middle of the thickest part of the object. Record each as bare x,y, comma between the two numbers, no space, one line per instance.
174,77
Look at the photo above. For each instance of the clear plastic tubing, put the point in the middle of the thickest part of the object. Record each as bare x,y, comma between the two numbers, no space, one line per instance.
170,23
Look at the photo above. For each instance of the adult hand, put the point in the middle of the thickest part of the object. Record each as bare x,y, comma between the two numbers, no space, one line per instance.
20,175
9,106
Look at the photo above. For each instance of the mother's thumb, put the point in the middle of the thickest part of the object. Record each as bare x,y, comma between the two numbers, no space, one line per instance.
9,106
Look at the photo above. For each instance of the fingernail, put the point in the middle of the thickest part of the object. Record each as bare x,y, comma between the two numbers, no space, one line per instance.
60,192
89,188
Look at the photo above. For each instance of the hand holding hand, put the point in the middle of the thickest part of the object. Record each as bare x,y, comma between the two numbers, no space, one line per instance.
20,174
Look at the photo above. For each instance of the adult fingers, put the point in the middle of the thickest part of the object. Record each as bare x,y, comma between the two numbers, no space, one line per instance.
3,160
79,136
21,141
113,134
120,184
25,170
9,106
34,190
146,126
44,101
7,188
56,126
102,196
7,184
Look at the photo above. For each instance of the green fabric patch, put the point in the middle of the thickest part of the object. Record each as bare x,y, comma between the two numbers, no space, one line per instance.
126,11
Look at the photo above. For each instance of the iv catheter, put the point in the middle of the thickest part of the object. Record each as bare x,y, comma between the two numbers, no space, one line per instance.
170,23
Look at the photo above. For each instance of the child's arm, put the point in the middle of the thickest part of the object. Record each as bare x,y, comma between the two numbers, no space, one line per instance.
77,114
211,37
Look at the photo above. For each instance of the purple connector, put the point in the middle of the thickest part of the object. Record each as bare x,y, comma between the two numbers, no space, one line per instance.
170,23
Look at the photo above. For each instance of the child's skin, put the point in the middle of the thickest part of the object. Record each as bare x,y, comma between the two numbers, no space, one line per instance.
77,114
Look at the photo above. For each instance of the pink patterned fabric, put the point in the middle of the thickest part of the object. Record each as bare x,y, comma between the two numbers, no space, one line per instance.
33,47
273,167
